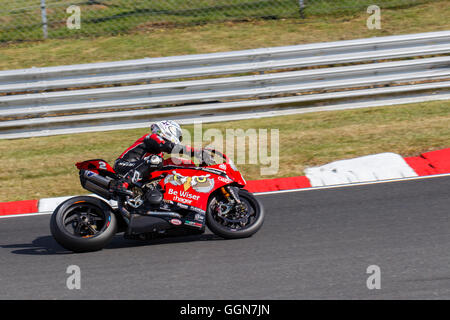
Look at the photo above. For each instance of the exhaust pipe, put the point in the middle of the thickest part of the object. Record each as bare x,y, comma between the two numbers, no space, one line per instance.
96,183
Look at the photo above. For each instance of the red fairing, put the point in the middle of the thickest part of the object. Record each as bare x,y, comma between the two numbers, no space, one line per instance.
187,184
230,169
95,165
233,174
191,187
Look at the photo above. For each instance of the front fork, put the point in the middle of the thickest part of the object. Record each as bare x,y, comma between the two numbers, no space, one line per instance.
232,197
230,194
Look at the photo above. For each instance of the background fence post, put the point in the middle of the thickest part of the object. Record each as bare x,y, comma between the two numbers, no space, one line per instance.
44,19
301,4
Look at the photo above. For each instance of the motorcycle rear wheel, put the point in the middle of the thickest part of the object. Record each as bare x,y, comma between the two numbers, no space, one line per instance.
83,224
225,228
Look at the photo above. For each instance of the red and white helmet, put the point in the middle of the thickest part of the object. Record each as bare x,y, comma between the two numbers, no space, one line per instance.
169,130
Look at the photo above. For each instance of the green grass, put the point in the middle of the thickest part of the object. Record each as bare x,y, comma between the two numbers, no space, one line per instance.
44,167
154,41
21,20
348,7
122,16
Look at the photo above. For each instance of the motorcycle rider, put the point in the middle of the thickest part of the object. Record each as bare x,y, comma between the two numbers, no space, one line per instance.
145,155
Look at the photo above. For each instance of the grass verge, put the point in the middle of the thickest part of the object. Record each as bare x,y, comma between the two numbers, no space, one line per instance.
22,21
44,167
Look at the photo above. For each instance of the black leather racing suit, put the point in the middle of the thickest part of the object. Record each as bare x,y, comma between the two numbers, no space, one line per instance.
132,162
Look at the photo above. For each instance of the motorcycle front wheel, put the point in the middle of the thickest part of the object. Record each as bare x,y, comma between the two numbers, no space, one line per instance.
226,221
83,224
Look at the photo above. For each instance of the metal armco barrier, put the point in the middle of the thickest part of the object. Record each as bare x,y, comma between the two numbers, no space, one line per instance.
276,83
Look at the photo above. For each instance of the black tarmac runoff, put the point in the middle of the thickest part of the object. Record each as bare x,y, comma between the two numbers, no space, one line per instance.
375,241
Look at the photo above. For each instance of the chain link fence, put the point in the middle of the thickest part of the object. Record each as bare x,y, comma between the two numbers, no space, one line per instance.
40,19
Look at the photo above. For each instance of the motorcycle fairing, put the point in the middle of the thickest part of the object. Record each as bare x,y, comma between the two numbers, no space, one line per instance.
186,185
191,187
98,166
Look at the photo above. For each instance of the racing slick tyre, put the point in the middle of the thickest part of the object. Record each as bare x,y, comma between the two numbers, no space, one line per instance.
83,224
229,224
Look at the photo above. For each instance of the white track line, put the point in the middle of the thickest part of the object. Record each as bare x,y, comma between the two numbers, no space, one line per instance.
283,191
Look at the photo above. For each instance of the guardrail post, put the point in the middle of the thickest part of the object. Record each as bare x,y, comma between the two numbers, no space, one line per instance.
44,19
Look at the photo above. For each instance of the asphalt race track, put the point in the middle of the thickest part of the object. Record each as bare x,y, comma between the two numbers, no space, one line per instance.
315,244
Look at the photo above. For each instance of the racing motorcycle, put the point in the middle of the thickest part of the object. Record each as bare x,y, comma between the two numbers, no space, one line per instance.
180,198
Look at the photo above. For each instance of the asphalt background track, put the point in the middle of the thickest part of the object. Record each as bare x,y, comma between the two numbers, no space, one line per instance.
315,244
